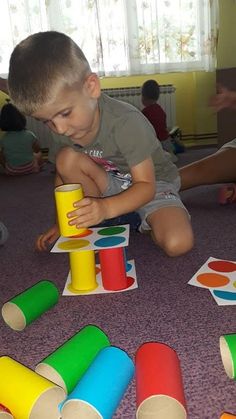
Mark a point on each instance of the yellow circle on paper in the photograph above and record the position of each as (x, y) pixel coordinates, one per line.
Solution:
(73, 244)
(74, 291)
(234, 284)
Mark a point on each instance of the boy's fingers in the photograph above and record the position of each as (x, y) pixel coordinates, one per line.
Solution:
(40, 244)
(83, 202)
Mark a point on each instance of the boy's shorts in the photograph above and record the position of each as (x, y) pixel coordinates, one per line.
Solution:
(166, 196)
(230, 144)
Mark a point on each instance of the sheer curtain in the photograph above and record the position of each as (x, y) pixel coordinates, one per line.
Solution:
(121, 37)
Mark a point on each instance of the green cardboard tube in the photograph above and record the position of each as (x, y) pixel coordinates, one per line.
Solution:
(30, 304)
(228, 354)
(69, 362)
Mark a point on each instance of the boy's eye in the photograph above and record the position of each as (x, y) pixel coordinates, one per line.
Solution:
(65, 114)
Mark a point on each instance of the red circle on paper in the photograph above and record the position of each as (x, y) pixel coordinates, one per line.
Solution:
(84, 234)
(222, 266)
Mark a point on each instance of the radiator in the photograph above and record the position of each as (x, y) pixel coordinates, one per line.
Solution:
(132, 95)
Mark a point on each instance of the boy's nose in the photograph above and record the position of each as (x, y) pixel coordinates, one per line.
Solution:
(60, 127)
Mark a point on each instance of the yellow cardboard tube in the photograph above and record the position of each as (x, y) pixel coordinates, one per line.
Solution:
(27, 394)
(65, 196)
(83, 271)
(227, 416)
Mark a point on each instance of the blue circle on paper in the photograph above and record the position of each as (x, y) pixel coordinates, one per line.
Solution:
(109, 241)
(225, 295)
(128, 266)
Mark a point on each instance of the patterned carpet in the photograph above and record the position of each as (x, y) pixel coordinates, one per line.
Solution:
(164, 308)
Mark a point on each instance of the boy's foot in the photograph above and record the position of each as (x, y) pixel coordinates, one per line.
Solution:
(227, 194)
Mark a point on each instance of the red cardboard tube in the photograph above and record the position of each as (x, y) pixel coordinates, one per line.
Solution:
(159, 386)
(113, 269)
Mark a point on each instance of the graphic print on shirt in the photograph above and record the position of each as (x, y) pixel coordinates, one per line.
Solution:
(109, 166)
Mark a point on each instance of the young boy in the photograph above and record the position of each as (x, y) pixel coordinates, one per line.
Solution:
(156, 115)
(152, 110)
(114, 154)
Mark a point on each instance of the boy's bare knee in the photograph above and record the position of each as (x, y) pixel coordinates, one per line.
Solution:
(66, 159)
(174, 245)
(177, 246)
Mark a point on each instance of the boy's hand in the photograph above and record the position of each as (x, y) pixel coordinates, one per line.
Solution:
(89, 211)
(47, 238)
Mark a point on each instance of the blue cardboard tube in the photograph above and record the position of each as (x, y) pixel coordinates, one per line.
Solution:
(102, 387)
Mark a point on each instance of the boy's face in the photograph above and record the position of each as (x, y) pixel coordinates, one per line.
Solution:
(74, 111)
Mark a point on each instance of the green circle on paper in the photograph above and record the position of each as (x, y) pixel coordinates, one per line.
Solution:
(111, 231)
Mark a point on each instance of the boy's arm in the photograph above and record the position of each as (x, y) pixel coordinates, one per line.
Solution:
(52, 234)
(91, 211)
(138, 194)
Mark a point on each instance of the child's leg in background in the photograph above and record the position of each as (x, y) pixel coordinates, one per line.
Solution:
(220, 167)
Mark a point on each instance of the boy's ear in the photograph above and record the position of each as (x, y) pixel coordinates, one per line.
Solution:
(93, 85)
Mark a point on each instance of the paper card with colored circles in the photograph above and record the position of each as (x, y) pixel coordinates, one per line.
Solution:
(94, 239)
(219, 276)
(131, 282)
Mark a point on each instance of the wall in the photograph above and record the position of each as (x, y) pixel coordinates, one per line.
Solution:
(226, 71)
(226, 52)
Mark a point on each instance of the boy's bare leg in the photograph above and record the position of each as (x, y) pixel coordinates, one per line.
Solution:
(76, 167)
(172, 230)
(220, 167)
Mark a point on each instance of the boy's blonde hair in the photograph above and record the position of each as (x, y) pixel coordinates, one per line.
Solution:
(42, 64)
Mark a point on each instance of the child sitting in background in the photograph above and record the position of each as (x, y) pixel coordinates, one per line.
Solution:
(157, 116)
(20, 151)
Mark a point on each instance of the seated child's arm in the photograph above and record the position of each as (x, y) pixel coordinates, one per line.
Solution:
(91, 211)
(225, 98)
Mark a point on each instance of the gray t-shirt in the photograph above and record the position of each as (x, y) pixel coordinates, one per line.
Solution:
(125, 139)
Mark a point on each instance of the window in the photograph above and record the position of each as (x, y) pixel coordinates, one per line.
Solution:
(121, 37)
